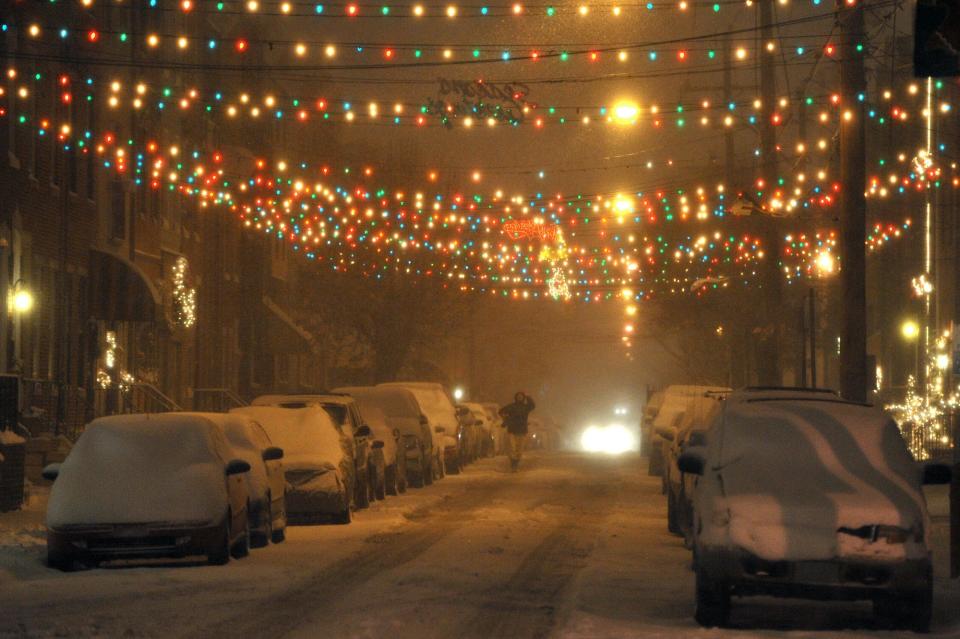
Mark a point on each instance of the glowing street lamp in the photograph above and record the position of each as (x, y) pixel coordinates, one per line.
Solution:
(910, 330)
(626, 113)
(20, 299)
(458, 393)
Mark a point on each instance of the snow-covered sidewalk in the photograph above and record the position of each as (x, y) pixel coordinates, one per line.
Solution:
(572, 546)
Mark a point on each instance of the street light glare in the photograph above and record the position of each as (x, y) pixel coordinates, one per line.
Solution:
(626, 112)
(21, 301)
(458, 393)
(826, 263)
(910, 330)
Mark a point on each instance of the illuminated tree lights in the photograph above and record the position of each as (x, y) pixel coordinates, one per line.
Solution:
(924, 415)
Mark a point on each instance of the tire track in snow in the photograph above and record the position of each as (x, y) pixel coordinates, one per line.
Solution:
(280, 614)
(532, 602)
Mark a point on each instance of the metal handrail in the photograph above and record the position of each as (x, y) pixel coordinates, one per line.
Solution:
(227, 397)
(155, 394)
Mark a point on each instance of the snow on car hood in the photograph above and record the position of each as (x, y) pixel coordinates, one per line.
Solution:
(131, 469)
(306, 435)
(792, 473)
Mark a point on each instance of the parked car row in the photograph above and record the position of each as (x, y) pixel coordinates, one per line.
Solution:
(216, 484)
(798, 493)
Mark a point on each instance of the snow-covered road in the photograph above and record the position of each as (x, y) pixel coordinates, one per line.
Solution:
(572, 546)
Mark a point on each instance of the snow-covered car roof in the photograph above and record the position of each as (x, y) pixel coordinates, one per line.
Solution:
(167, 467)
(794, 471)
(307, 436)
(393, 401)
(306, 398)
(767, 393)
(691, 390)
(433, 401)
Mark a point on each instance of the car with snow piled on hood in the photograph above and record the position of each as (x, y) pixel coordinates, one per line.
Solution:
(354, 436)
(147, 486)
(806, 495)
(318, 473)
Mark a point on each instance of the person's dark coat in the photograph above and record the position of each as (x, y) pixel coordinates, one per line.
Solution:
(516, 415)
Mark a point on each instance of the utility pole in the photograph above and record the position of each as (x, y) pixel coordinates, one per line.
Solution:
(768, 368)
(853, 342)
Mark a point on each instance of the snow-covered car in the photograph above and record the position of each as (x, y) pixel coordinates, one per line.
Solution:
(354, 435)
(389, 444)
(482, 422)
(402, 413)
(266, 485)
(650, 410)
(687, 429)
(676, 400)
(497, 432)
(318, 472)
(469, 435)
(141, 486)
(436, 404)
(807, 495)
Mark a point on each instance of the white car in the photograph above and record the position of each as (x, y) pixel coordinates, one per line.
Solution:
(402, 413)
(802, 494)
(390, 448)
(435, 403)
(266, 485)
(143, 486)
(318, 472)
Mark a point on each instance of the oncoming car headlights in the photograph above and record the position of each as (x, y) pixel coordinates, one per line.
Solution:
(612, 440)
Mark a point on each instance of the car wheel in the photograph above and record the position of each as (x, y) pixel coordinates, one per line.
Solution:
(363, 493)
(910, 611)
(242, 547)
(220, 553)
(455, 467)
(419, 479)
(390, 479)
(61, 562)
(280, 532)
(343, 517)
(673, 525)
(428, 471)
(713, 601)
(381, 486)
(260, 538)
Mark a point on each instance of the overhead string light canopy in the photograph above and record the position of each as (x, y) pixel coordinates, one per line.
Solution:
(171, 50)
(426, 10)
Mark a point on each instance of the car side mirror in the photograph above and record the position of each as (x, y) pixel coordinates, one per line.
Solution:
(691, 463)
(396, 433)
(440, 429)
(363, 431)
(237, 466)
(377, 444)
(423, 420)
(51, 472)
(666, 433)
(933, 474)
(272, 453)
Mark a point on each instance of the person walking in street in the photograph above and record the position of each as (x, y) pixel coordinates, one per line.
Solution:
(515, 418)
